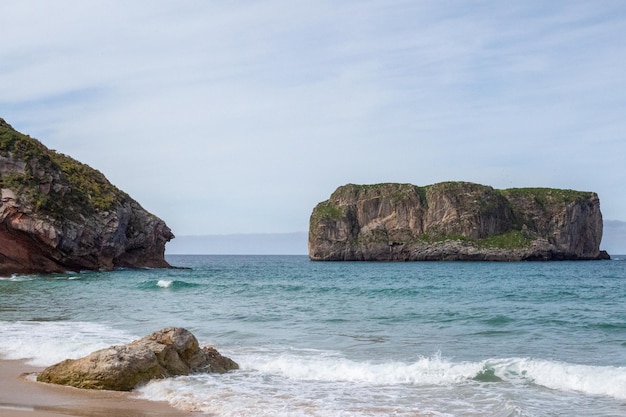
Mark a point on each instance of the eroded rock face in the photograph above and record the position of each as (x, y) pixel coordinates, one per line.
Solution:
(455, 221)
(59, 215)
(165, 353)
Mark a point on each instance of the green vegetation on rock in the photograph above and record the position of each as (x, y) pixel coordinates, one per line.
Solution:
(53, 183)
(394, 191)
(326, 210)
(514, 239)
(544, 196)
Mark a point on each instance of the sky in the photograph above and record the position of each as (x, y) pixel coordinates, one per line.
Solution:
(240, 116)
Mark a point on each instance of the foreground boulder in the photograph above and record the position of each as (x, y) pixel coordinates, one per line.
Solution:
(59, 215)
(455, 221)
(165, 353)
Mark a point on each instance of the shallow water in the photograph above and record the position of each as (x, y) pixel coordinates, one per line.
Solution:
(351, 339)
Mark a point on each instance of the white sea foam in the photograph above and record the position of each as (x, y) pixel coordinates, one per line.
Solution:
(45, 343)
(593, 380)
(18, 278)
(290, 382)
(273, 383)
(276, 381)
(425, 371)
(243, 394)
(164, 283)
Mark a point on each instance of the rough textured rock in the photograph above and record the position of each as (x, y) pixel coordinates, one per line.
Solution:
(165, 353)
(57, 215)
(455, 221)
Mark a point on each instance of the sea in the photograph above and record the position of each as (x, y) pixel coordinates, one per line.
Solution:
(350, 338)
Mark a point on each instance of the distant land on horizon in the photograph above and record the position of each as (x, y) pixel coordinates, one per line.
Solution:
(240, 244)
(614, 237)
(295, 243)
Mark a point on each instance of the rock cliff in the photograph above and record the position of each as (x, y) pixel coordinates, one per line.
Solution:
(57, 215)
(455, 221)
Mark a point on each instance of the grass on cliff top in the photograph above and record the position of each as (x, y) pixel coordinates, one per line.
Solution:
(84, 189)
(385, 187)
(398, 191)
(395, 191)
(456, 186)
(545, 196)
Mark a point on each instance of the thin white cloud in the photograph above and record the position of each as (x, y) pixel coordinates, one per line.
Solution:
(239, 117)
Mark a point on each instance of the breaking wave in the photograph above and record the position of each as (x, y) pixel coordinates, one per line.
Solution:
(435, 370)
(166, 283)
(45, 343)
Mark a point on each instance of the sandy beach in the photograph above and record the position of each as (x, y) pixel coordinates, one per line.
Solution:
(22, 396)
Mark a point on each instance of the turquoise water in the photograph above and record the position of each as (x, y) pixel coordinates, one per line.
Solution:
(351, 339)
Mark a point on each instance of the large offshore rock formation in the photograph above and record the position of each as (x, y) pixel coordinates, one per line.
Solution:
(57, 215)
(455, 221)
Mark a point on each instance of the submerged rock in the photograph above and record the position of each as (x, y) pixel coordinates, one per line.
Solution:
(58, 215)
(455, 221)
(168, 352)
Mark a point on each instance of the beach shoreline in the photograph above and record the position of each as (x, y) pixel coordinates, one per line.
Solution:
(22, 396)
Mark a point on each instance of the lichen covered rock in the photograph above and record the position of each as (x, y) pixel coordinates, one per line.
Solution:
(168, 352)
(455, 221)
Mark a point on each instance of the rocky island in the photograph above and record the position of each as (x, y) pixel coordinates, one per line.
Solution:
(59, 215)
(455, 221)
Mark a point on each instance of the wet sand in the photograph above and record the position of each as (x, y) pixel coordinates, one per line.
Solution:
(22, 396)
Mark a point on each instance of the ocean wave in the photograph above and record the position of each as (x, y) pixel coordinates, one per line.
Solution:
(66, 276)
(18, 278)
(166, 283)
(425, 371)
(592, 380)
(274, 384)
(46, 343)
(437, 371)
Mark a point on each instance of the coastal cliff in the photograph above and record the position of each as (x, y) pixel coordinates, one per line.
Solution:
(455, 221)
(58, 215)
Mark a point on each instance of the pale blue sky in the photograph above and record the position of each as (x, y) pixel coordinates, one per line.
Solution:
(239, 116)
